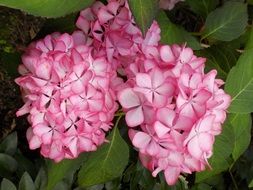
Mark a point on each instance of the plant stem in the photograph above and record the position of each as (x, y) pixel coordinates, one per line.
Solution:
(233, 180)
(117, 121)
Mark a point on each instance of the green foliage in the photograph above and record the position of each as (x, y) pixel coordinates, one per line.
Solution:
(9, 144)
(239, 83)
(171, 33)
(26, 182)
(107, 163)
(144, 12)
(241, 124)
(52, 8)
(202, 7)
(220, 57)
(7, 185)
(8, 165)
(57, 171)
(227, 22)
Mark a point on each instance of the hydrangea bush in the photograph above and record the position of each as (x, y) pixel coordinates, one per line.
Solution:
(125, 59)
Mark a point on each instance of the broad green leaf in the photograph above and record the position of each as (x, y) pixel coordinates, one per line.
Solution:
(9, 144)
(144, 12)
(219, 57)
(202, 7)
(107, 163)
(7, 164)
(227, 22)
(223, 147)
(7, 185)
(26, 182)
(239, 83)
(171, 33)
(241, 124)
(57, 171)
(41, 179)
(52, 8)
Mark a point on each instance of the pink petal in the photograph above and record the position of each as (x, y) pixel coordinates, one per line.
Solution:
(206, 141)
(143, 80)
(157, 78)
(152, 148)
(171, 175)
(128, 98)
(186, 55)
(194, 149)
(202, 96)
(206, 124)
(160, 129)
(43, 70)
(166, 116)
(159, 100)
(141, 140)
(135, 117)
(77, 87)
(166, 54)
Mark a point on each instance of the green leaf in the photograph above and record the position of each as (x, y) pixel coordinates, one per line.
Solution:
(52, 8)
(9, 144)
(202, 7)
(251, 184)
(57, 171)
(220, 57)
(41, 179)
(26, 182)
(7, 164)
(241, 124)
(7, 185)
(223, 147)
(171, 33)
(239, 83)
(107, 163)
(144, 12)
(227, 22)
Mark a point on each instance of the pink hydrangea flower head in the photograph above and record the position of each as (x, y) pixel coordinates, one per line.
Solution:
(174, 110)
(69, 95)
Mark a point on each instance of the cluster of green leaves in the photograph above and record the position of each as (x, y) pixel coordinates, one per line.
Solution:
(222, 33)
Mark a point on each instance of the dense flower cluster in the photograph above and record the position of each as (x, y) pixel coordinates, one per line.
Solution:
(69, 96)
(70, 86)
(111, 30)
(173, 109)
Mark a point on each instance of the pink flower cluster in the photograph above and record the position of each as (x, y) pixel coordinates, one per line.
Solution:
(70, 87)
(68, 92)
(173, 109)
